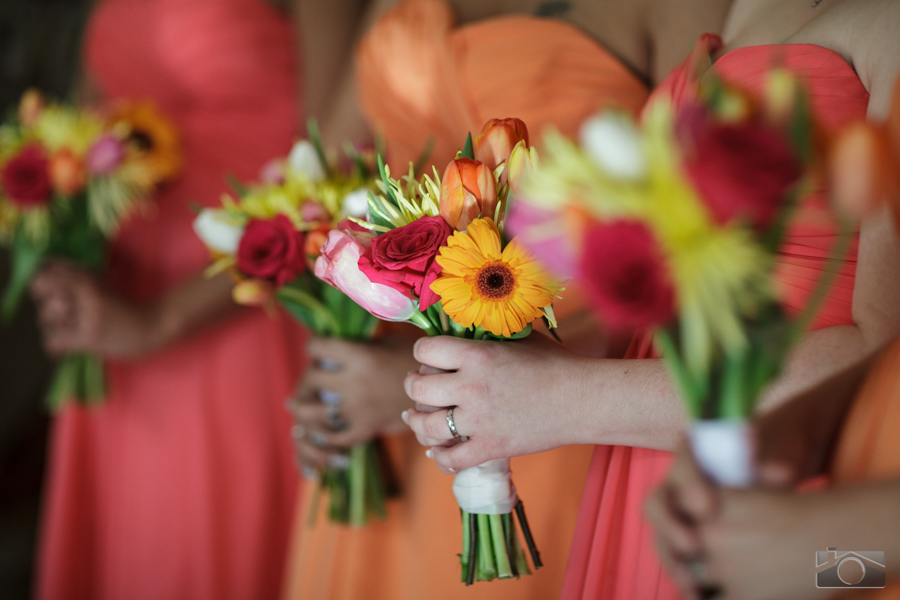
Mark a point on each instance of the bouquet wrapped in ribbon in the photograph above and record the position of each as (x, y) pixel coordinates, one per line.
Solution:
(434, 255)
(673, 227)
(268, 234)
(68, 178)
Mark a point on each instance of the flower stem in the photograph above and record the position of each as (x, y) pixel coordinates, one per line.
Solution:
(498, 540)
(529, 540)
(473, 547)
(419, 319)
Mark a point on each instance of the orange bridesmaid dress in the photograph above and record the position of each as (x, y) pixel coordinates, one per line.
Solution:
(182, 485)
(869, 447)
(613, 555)
(419, 76)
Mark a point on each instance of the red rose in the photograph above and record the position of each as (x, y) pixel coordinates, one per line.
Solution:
(403, 258)
(743, 171)
(25, 178)
(625, 276)
(271, 249)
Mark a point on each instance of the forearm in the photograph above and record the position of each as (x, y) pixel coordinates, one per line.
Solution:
(635, 403)
(190, 307)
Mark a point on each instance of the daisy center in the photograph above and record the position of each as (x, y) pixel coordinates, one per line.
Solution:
(142, 140)
(495, 281)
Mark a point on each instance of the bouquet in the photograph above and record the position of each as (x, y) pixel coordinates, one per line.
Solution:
(673, 226)
(68, 178)
(434, 255)
(267, 235)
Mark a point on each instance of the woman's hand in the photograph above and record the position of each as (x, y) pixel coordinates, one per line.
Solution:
(77, 314)
(360, 384)
(510, 398)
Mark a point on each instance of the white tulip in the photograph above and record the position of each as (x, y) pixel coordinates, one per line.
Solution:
(614, 143)
(303, 160)
(355, 204)
(219, 230)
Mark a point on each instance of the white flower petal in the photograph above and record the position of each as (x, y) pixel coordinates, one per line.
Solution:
(303, 160)
(218, 230)
(613, 141)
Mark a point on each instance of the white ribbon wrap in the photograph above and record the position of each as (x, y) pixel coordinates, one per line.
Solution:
(486, 489)
(725, 451)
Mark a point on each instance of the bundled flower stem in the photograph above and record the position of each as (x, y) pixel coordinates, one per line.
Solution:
(434, 255)
(268, 237)
(69, 178)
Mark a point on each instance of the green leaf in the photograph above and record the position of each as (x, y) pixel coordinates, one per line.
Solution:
(468, 150)
(307, 309)
(315, 138)
(25, 258)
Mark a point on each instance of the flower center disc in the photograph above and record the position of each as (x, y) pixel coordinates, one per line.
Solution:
(495, 281)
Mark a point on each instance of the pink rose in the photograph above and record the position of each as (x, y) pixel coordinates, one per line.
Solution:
(339, 266)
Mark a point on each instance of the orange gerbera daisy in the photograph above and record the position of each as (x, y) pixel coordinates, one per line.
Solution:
(152, 136)
(500, 291)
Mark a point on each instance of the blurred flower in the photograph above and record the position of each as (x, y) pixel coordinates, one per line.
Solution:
(152, 136)
(468, 191)
(743, 171)
(271, 249)
(783, 92)
(339, 266)
(864, 170)
(272, 172)
(355, 204)
(543, 233)
(304, 160)
(522, 162)
(313, 212)
(253, 292)
(30, 107)
(316, 239)
(497, 139)
(219, 230)
(613, 141)
(105, 155)
(25, 178)
(625, 276)
(67, 174)
(480, 285)
(404, 258)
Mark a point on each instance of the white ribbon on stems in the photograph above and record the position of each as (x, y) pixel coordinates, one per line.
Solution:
(725, 450)
(486, 489)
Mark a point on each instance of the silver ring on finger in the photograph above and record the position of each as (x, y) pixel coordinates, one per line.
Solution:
(330, 397)
(451, 424)
(336, 422)
(707, 589)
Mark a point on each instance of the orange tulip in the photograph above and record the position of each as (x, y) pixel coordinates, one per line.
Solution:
(468, 191)
(497, 139)
(522, 162)
(315, 239)
(67, 174)
(864, 169)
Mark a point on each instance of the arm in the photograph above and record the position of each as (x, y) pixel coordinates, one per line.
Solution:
(78, 314)
(328, 34)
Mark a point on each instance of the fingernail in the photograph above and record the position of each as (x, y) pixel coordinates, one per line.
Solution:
(309, 473)
(318, 439)
(339, 461)
(405, 416)
(451, 469)
(298, 431)
(429, 454)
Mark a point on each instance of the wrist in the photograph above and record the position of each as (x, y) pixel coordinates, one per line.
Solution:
(164, 326)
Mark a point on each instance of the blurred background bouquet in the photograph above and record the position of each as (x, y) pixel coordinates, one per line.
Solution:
(673, 225)
(434, 254)
(68, 178)
(267, 234)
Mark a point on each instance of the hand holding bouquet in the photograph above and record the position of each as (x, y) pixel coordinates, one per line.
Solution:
(434, 255)
(673, 227)
(268, 237)
(68, 178)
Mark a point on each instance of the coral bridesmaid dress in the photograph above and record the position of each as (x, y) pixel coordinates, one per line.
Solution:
(419, 76)
(182, 485)
(612, 554)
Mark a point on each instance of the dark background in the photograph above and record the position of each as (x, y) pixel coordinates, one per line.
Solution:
(40, 43)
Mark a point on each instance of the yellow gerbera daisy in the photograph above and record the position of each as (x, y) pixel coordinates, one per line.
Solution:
(500, 291)
(153, 137)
